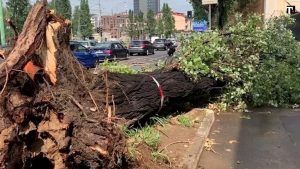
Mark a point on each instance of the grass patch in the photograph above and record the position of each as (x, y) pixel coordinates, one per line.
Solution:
(160, 120)
(116, 67)
(148, 135)
(160, 156)
(184, 121)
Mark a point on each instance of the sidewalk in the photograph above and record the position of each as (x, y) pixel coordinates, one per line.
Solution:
(264, 139)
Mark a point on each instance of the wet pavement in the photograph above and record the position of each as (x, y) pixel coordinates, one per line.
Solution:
(262, 139)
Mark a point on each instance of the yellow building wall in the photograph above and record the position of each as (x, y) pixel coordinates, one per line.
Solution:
(278, 7)
(181, 24)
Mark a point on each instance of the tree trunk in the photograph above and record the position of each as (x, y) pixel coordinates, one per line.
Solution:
(136, 96)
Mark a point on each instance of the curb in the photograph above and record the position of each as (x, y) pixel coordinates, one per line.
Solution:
(195, 150)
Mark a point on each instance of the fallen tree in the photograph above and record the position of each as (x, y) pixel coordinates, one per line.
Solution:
(56, 114)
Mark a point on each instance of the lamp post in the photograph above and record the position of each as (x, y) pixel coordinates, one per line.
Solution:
(2, 30)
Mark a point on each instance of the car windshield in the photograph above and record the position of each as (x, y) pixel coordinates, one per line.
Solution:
(103, 45)
(84, 43)
(136, 42)
(93, 43)
(159, 41)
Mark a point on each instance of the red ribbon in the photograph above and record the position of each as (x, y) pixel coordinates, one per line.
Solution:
(161, 93)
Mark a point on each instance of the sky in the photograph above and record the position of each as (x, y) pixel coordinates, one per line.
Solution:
(115, 6)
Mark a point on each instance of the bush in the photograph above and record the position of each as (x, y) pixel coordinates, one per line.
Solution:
(261, 63)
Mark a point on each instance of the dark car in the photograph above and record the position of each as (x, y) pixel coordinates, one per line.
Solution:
(111, 50)
(87, 57)
(141, 47)
(160, 44)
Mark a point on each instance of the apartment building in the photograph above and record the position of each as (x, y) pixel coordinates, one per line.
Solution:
(146, 5)
(114, 25)
(95, 21)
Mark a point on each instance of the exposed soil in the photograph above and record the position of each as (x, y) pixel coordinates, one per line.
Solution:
(174, 143)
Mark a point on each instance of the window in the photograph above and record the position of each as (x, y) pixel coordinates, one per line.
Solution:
(93, 43)
(119, 46)
(78, 48)
(115, 46)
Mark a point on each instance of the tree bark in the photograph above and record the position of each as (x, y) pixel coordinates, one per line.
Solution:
(135, 96)
(27, 43)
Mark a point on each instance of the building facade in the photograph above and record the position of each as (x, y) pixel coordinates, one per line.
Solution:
(278, 8)
(95, 21)
(182, 23)
(146, 5)
(114, 26)
(270, 8)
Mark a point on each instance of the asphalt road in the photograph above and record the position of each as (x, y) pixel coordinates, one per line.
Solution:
(138, 62)
(262, 139)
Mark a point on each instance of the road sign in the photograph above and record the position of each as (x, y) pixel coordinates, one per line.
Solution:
(200, 26)
(209, 2)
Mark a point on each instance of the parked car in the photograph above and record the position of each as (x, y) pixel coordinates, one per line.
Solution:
(87, 43)
(111, 50)
(141, 47)
(87, 57)
(160, 44)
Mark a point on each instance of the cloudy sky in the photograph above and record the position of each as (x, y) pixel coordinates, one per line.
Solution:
(109, 6)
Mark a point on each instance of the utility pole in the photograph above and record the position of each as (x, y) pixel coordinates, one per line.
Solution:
(2, 30)
(99, 22)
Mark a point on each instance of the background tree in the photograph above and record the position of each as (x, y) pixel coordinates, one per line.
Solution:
(168, 19)
(131, 28)
(222, 11)
(151, 23)
(140, 25)
(160, 26)
(62, 7)
(17, 11)
(75, 21)
(51, 4)
(200, 12)
(86, 27)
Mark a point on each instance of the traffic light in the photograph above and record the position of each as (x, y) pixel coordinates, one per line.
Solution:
(190, 14)
(99, 30)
